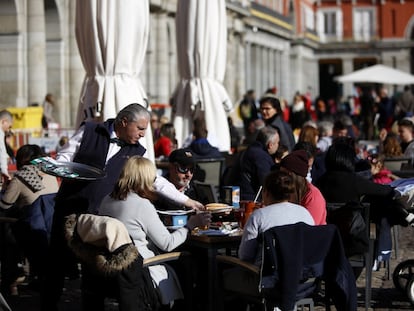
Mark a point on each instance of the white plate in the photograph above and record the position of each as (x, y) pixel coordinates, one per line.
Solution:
(175, 212)
(220, 210)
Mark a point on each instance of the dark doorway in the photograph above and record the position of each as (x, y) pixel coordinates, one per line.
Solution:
(328, 88)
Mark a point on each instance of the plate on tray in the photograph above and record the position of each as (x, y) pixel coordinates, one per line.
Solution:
(175, 212)
(70, 170)
(221, 210)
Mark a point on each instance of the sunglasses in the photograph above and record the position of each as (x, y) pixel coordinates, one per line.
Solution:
(184, 170)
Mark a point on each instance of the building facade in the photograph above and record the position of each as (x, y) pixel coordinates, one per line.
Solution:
(295, 45)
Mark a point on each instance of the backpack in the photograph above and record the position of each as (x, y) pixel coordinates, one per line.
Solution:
(352, 226)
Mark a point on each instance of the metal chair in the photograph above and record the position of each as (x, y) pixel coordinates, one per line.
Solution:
(343, 215)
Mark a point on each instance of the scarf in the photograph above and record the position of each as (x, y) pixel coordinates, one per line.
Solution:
(29, 175)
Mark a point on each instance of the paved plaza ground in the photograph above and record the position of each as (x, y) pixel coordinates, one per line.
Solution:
(384, 296)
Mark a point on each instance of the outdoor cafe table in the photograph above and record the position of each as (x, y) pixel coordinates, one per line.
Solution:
(211, 245)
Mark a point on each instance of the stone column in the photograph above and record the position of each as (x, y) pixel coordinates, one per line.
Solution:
(285, 69)
(265, 72)
(173, 74)
(241, 69)
(148, 74)
(257, 64)
(160, 87)
(229, 81)
(76, 73)
(348, 67)
(36, 46)
(248, 61)
(278, 71)
(272, 68)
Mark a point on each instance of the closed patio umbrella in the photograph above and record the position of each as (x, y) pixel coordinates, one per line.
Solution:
(112, 37)
(201, 47)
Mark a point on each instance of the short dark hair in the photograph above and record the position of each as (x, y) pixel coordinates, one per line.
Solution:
(406, 123)
(273, 100)
(339, 125)
(27, 153)
(200, 128)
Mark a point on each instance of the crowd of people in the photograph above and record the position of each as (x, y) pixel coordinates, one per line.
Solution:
(293, 158)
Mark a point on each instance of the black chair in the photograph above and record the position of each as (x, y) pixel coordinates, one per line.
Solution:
(32, 232)
(358, 235)
(290, 275)
(209, 171)
(398, 164)
(205, 192)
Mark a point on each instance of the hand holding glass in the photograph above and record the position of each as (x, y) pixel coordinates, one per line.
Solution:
(201, 219)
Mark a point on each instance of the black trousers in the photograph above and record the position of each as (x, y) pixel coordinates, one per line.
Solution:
(59, 256)
(10, 256)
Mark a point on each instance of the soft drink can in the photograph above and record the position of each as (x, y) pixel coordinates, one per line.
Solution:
(235, 196)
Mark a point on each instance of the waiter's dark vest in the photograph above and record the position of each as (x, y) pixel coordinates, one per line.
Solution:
(78, 196)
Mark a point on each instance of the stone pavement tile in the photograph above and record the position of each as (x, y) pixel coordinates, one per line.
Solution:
(385, 297)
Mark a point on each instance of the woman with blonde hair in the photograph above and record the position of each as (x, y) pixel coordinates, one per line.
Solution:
(131, 203)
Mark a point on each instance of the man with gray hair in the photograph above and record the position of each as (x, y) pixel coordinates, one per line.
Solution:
(256, 162)
(325, 135)
(6, 122)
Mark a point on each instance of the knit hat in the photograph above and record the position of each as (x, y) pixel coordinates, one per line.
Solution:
(182, 156)
(296, 162)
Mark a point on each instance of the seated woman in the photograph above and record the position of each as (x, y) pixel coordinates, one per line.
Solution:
(27, 184)
(167, 142)
(131, 203)
(340, 184)
(280, 208)
(298, 164)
